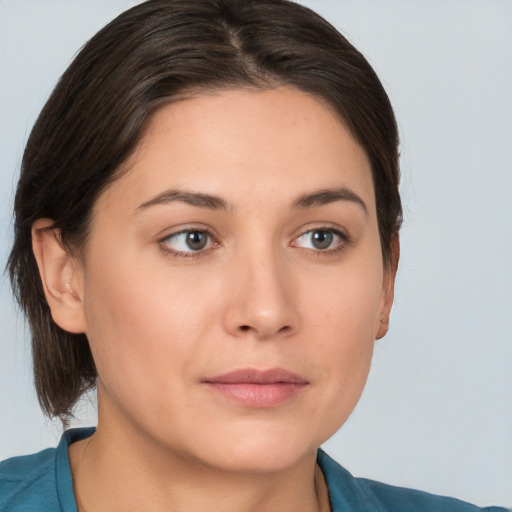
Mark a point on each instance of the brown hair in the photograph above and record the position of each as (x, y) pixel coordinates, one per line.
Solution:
(147, 57)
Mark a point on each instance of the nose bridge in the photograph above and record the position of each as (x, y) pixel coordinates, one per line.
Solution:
(262, 299)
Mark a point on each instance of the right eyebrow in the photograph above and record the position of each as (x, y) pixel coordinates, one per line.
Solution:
(192, 198)
(330, 195)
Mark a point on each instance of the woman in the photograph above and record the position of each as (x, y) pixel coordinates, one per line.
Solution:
(207, 230)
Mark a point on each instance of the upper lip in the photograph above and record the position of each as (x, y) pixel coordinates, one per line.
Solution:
(255, 376)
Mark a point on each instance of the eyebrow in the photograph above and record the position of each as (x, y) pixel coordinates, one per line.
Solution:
(318, 198)
(192, 198)
(327, 196)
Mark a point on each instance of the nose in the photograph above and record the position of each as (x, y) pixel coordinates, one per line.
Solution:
(260, 298)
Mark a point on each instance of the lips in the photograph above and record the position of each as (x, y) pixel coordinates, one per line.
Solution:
(258, 388)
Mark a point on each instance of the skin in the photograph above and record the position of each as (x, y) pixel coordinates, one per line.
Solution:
(259, 295)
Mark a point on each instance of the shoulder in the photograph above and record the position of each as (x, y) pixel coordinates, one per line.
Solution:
(357, 494)
(41, 482)
(28, 482)
(401, 499)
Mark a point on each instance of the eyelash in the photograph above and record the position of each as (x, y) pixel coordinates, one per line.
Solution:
(344, 240)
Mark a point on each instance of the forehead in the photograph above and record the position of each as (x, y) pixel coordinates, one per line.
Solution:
(278, 142)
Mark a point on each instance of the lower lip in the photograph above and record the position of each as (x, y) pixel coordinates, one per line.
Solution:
(258, 395)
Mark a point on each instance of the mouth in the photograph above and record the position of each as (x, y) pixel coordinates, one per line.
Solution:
(258, 388)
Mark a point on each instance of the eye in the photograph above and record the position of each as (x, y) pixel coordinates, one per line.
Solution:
(325, 239)
(188, 241)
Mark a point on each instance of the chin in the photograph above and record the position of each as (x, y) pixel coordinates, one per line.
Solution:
(262, 458)
(264, 449)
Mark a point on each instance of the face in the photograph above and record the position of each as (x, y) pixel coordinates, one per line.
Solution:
(233, 284)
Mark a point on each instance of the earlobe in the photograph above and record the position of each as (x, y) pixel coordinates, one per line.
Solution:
(61, 277)
(388, 289)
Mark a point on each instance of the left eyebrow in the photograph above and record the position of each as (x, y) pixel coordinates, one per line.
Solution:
(327, 196)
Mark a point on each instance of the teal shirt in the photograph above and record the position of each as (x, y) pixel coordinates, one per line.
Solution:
(42, 483)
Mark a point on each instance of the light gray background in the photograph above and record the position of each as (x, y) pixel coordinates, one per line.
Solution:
(437, 411)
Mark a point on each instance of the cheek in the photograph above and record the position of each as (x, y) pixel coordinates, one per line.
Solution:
(347, 301)
(343, 324)
(343, 318)
(343, 361)
(139, 320)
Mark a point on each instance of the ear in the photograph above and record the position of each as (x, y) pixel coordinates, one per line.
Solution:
(61, 275)
(388, 289)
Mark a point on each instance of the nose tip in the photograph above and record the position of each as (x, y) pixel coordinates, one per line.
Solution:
(261, 304)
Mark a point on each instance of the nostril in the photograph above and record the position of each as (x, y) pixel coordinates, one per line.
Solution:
(246, 328)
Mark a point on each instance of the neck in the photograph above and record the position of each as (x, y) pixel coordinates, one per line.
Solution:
(121, 469)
